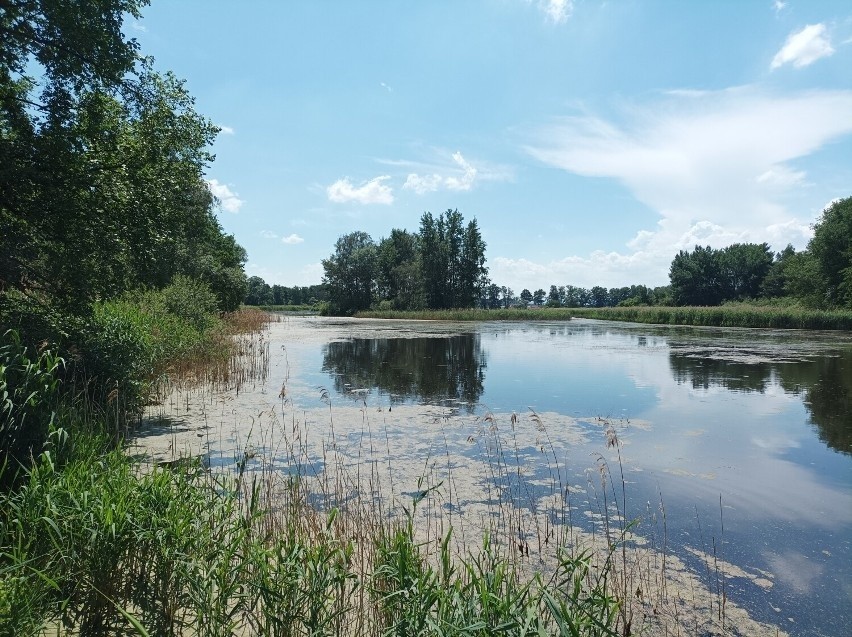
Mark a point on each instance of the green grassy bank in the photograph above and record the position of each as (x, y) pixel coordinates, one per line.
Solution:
(731, 315)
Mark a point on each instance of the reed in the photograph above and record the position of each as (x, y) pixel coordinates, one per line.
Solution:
(731, 315)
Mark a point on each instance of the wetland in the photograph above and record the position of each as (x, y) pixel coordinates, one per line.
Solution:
(732, 457)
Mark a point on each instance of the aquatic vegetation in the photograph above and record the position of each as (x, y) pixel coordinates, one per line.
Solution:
(729, 315)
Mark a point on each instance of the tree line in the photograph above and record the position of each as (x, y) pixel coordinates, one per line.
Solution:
(261, 293)
(819, 276)
(442, 266)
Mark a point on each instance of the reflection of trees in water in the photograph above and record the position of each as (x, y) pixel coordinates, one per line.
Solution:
(825, 383)
(704, 373)
(431, 369)
(827, 387)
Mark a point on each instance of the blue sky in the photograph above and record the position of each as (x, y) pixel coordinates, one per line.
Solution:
(591, 139)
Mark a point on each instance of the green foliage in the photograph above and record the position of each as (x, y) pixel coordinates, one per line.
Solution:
(103, 163)
(350, 273)
(696, 277)
(831, 250)
(452, 260)
(29, 398)
(483, 593)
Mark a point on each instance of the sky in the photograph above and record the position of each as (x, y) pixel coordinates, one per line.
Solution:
(591, 140)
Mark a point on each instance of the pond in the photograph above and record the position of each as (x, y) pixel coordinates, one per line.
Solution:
(735, 445)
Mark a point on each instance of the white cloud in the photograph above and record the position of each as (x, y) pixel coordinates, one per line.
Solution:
(714, 167)
(609, 269)
(461, 175)
(466, 179)
(228, 199)
(557, 11)
(778, 5)
(386, 87)
(372, 191)
(422, 184)
(804, 47)
(226, 130)
(782, 176)
(268, 234)
(293, 239)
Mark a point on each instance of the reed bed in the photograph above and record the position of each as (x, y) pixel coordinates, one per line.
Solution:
(732, 315)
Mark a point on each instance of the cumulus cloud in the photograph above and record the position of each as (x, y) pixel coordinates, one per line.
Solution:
(268, 234)
(557, 11)
(804, 47)
(467, 177)
(422, 184)
(715, 167)
(374, 191)
(610, 269)
(293, 239)
(461, 175)
(226, 130)
(778, 5)
(228, 199)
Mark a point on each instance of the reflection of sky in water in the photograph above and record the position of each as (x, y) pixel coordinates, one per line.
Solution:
(721, 424)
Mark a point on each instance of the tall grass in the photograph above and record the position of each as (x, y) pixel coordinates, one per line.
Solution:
(730, 315)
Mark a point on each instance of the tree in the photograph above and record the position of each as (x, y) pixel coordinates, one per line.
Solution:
(103, 163)
(538, 297)
(775, 282)
(259, 292)
(350, 273)
(696, 277)
(744, 267)
(399, 273)
(526, 296)
(553, 299)
(452, 261)
(831, 249)
(598, 296)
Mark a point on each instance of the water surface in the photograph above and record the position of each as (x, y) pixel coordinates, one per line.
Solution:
(735, 443)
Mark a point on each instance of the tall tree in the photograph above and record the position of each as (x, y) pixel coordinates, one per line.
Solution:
(831, 248)
(399, 272)
(350, 273)
(696, 277)
(744, 267)
(452, 259)
(101, 185)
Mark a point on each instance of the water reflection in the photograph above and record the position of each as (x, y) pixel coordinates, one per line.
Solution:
(438, 370)
(825, 382)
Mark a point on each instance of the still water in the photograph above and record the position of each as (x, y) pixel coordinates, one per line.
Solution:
(743, 438)
(746, 429)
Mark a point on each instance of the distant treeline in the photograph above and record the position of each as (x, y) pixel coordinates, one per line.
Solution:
(261, 293)
(442, 267)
